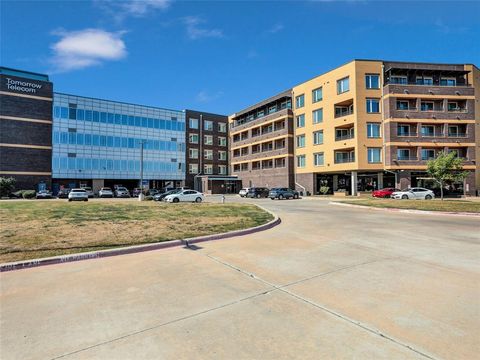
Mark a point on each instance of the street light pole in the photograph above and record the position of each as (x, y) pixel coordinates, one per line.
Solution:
(141, 196)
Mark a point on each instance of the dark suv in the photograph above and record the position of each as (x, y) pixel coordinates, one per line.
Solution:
(257, 192)
(283, 193)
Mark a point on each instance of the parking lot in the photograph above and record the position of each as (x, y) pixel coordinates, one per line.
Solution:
(328, 282)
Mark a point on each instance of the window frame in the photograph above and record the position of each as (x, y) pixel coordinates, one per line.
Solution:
(340, 87)
(315, 92)
(368, 81)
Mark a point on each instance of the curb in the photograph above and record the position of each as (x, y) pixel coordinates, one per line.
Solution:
(26, 264)
(408, 211)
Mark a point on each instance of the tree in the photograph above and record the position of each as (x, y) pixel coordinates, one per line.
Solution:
(6, 185)
(446, 167)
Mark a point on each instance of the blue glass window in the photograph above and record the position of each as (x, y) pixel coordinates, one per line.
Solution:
(56, 137)
(156, 123)
(124, 165)
(131, 143)
(96, 116)
(80, 114)
(56, 163)
(88, 115)
(64, 138)
(162, 124)
(144, 122)
(88, 139)
(94, 164)
(71, 163)
(118, 142)
(116, 165)
(169, 125)
(150, 123)
(80, 139)
(131, 166)
(88, 164)
(56, 111)
(110, 141)
(103, 117)
(109, 164)
(110, 118)
(118, 119)
(103, 164)
(72, 138)
(72, 114)
(96, 140)
(373, 106)
(138, 121)
(124, 120)
(64, 113)
(63, 163)
(103, 140)
(137, 165)
(80, 163)
(156, 144)
(131, 120)
(124, 142)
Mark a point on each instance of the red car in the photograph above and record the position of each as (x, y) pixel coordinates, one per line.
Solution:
(384, 193)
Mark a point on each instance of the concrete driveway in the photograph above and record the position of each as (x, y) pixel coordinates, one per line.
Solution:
(330, 282)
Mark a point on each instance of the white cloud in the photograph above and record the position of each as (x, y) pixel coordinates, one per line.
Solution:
(118, 10)
(84, 48)
(204, 96)
(195, 31)
(275, 28)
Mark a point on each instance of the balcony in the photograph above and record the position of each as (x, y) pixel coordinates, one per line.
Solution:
(407, 158)
(407, 134)
(342, 157)
(344, 108)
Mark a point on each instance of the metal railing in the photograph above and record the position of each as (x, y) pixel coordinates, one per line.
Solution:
(407, 158)
(407, 134)
(344, 137)
(343, 113)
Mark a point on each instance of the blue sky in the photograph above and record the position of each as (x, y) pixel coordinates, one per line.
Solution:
(223, 56)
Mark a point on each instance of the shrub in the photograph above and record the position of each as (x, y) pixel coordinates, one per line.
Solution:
(29, 194)
(324, 190)
(6, 185)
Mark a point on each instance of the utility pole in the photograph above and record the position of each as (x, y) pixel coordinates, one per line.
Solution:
(141, 196)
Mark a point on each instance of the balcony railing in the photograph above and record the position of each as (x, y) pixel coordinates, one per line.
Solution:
(407, 134)
(407, 158)
(343, 160)
(410, 108)
(340, 113)
(458, 135)
(423, 84)
(459, 110)
(344, 137)
(435, 134)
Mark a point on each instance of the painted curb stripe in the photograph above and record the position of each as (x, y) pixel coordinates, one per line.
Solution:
(408, 211)
(26, 264)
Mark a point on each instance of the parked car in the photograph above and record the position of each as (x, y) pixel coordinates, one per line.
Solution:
(63, 193)
(137, 191)
(283, 193)
(185, 195)
(44, 194)
(153, 192)
(121, 192)
(243, 192)
(105, 192)
(89, 191)
(161, 196)
(77, 195)
(414, 193)
(384, 193)
(258, 192)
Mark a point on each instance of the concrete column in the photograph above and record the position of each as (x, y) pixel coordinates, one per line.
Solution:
(354, 183)
(335, 182)
(380, 180)
(97, 184)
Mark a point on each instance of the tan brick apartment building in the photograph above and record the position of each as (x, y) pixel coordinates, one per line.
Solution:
(365, 125)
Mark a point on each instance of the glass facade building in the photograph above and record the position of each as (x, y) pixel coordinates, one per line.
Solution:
(101, 139)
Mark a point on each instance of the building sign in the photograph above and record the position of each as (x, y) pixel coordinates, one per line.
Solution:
(23, 86)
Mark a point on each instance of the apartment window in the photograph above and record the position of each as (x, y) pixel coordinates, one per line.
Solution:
(402, 80)
(318, 159)
(193, 153)
(344, 157)
(193, 138)
(301, 121)
(424, 80)
(222, 127)
(193, 168)
(317, 116)
(374, 155)
(222, 155)
(222, 169)
(343, 85)
(403, 130)
(403, 154)
(373, 130)
(193, 123)
(301, 161)
(208, 139)
(373, 106)
(372, 81)
(448, 82)
(222, 141)
(318, 137)
(300, 101)
(301, 141)
(272, 109)
(428, 154)
(260, 113)
(208, 169)
(317, 95)
(426, 106)
(208, 154)
(428, 130)
(402, 105)
(208, 125)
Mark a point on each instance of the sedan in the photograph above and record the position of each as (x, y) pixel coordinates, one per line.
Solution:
(185, 195)
(282, 193)
(415, 193)
(162, 196)
(243, 192)
(105, 192)
(122, 192)
(77, 195)
(44, 194)
(384, 193)
(89, 191)
(63, 193)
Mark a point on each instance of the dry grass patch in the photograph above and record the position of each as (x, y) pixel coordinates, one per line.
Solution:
(33, 229)
(426, 205)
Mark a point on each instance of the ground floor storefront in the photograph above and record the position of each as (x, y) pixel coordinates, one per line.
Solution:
(212, 184)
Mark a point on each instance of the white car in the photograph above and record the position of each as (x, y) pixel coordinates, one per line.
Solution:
(89, 191)
(415, 193)
(185, 195)
(243, 192)
(77, 195)
(105, 192)
(122, 192)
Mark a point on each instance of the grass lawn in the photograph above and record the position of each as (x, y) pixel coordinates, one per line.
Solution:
(33, 229)
(429, 205)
